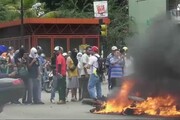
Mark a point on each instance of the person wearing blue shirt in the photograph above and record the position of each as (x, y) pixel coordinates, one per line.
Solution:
(117, 69)
(114, 48)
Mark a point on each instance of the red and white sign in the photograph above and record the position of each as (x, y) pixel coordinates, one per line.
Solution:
(100, 9)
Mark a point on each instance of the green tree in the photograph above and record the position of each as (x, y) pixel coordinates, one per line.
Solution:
(118, 29)
(28, 3)
(52, 4)
(3, 12)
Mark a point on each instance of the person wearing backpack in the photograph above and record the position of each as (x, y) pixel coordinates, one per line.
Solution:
(94, 83)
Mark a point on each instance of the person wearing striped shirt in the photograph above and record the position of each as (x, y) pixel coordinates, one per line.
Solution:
(117, 69)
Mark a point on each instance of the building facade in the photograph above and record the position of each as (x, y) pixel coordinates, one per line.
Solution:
(49, 32)
(143, 11)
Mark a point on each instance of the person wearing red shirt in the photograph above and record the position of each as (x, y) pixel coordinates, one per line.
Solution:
(61, 75)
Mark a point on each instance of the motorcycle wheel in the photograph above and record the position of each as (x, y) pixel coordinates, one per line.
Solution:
(47, 87)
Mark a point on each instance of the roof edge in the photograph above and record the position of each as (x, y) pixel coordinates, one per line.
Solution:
(54, 21)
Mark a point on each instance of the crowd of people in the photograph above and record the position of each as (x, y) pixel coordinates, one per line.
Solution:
(73, 71)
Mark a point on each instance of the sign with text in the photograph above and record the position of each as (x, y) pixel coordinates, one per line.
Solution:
(100, 9)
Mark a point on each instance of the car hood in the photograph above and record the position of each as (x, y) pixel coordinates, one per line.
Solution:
(6, 82)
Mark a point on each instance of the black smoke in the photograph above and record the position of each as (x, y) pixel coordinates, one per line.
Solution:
(157, 58)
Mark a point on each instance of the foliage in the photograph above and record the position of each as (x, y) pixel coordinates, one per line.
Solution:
(5, 2)
(52, 4)
(13, 15)
(28, 3)
(3, 12)
(118, 30)
(52, 14)
(30, 13)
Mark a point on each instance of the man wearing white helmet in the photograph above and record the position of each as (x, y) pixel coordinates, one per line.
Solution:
(61, 74)
(113, 49)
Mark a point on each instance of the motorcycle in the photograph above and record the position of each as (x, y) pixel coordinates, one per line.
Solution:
(48, 83)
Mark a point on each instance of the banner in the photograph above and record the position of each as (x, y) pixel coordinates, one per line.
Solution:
(100, 9)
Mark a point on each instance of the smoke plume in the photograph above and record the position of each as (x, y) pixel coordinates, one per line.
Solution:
(157, 58)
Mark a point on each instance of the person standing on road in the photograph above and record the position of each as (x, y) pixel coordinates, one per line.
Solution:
(94, 84)
(61, 75)
(113, 49)
(73, 82)
(129, 64)
(117, 69)
(34, 75)
(53, 68)
(84, 74)
(79, 67)
(20, 63)
(41, 62)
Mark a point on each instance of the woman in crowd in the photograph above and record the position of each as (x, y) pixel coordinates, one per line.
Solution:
(73, 82)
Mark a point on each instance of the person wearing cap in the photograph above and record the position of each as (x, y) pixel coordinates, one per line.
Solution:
(113, 49)
(61, 74)
(94, 83)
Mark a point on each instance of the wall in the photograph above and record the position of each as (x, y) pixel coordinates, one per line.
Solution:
(143, 11)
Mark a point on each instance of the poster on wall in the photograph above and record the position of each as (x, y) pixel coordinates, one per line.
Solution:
(100, 9)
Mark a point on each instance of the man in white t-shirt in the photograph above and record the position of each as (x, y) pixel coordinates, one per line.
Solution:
(94, 84)
(84, 74)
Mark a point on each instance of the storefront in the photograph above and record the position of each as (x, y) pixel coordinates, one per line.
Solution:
(50, 32)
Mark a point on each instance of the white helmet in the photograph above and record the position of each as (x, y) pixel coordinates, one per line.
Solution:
(43, 55)
(64, 54)
(125, 48)
(57, 48)
(114, 48)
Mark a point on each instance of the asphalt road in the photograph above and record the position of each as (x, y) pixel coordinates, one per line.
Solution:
(70, 110)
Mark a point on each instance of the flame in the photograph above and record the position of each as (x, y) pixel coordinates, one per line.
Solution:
(117, 104)
(163, 106)
(160, 106)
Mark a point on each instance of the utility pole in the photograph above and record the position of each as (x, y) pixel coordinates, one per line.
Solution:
(22, 22)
